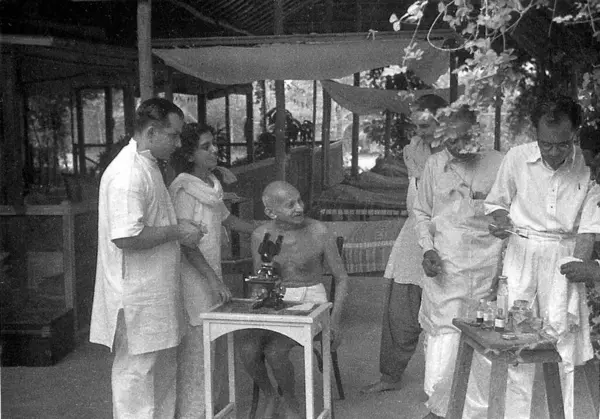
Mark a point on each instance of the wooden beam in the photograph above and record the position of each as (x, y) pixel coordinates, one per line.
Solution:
(325, 137)
(311, 163)
(204, 18)
(453, 78)
(202, 109)
(436, 35)
(80, 132)
(144, 33)
(498, 119)
(355, 134)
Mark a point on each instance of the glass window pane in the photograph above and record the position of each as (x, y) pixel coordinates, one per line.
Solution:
(118, 115)
(189, 106)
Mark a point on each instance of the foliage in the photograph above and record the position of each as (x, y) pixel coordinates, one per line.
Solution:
(496, 67)
(296, 133)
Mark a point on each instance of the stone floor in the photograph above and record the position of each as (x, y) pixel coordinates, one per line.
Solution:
(79, 386)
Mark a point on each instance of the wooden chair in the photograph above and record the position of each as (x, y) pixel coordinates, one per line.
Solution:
(318, 354)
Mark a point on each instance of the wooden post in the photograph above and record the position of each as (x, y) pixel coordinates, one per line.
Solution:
(263, 106)
(280, 140)
(144, 33)
(108, 116)
(80, 132)
(202, 109)
(388, 133)
(249, 125)
(11, 146)
(355, 134)
(311, 163)
(326, 123)
(498, 119)
(228, 128)
(129, 110)
(453, 78)
(169, 84)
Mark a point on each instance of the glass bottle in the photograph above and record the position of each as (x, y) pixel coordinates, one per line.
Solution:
(500, 321)
(489, 315)
(480, 310)
(502, 295)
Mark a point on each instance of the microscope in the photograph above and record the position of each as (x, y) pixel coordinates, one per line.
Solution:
(270, 291)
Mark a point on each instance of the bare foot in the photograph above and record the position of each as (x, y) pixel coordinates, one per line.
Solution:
(380, 386)
(271, 406)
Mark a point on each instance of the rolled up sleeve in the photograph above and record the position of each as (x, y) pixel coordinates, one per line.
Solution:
(504, 189)
(126, 199)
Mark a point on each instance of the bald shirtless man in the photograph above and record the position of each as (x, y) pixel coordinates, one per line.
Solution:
(306, 249)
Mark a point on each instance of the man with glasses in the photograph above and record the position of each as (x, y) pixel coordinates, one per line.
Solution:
(539, 194)
(137, 310)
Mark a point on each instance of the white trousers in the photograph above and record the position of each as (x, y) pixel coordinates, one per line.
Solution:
(440, 359)
(191, 403)
(143, 385)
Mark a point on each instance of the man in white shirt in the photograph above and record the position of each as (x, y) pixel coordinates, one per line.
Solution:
(137, 310)
(460, 258)
(539, 194)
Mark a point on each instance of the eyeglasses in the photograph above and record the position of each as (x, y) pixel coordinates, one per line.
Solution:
(546, 146)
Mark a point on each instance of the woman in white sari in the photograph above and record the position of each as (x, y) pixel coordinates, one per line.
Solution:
(197, 195)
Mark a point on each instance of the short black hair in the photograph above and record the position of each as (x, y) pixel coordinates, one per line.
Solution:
(430, 102)
(555, 109)
(190, 137)
(464, 113)
(155, 111)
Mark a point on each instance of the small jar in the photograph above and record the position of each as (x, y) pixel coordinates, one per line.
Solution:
(519, 316)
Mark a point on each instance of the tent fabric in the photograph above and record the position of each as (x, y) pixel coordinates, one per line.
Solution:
(368, 101)
(306, 61)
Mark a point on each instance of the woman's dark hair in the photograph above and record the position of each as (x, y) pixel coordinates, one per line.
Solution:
(190, 137)
(155, 111)
(555, 109)
(430, 102)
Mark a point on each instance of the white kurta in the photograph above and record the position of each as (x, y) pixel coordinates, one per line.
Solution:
(144, 283)
(451, 222)
(545, 204)
(404, 263)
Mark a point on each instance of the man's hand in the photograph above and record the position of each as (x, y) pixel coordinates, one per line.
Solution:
(336, 334)
(501, 224)
(190, 233)
(220, 289)
(432, 263)
(588, 271)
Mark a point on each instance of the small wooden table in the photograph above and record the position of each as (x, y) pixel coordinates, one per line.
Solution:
(503, 353)
(301, 326)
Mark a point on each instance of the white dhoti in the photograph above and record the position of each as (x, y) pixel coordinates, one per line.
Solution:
(532, 266)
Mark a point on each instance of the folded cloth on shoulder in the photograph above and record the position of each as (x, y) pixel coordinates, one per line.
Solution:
(567, 319)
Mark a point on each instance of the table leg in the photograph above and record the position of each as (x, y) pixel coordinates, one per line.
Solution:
(458, 393)
(556, 408)
(326, 348)
(497, 397)
(586, 384)
(231, 369)
(309, 380)
(208, 391)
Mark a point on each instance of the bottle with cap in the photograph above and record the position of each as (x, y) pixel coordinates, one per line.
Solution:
(480, 310)
(489, 315)
(500, 320)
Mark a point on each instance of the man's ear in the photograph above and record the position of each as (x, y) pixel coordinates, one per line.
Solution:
(150, 132)
(269, 213)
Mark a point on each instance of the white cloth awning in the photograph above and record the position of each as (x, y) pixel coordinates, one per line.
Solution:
(302, 61)
(367, 101)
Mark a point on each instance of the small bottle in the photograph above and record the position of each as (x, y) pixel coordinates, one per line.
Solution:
(489, 315)
(480, 310)
(500, 321)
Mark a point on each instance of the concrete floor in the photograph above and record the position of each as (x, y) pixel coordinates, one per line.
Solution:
(79, 386)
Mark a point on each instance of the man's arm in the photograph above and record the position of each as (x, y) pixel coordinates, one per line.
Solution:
(423, 211)
(336, 265)
(237, 224)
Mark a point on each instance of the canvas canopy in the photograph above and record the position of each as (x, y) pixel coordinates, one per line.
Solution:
(303, 61)
(367, 101)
